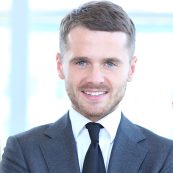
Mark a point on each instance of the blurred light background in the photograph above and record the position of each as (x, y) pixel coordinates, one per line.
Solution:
(31, 93)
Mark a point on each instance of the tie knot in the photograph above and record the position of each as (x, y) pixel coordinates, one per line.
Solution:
(94, 129)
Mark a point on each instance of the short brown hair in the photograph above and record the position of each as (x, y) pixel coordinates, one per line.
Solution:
(99, 16)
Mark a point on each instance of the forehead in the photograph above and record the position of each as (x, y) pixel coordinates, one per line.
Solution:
(81, 39)
(81, 33)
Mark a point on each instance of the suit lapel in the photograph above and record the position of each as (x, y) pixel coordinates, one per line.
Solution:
(60, 153)
(59, 149)
(129, 149)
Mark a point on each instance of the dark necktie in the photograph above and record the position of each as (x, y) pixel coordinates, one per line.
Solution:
(93, 162)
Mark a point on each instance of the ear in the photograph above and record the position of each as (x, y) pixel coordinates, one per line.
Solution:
(60, 66)
(132, 68)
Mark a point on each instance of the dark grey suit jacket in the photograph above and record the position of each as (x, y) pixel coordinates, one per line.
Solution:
(51, 149)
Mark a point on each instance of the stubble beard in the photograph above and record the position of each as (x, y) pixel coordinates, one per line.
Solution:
(93, 112)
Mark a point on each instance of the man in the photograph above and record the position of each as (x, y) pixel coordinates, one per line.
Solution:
(96, 60)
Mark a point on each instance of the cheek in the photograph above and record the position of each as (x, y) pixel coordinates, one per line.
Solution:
(72, 80)
(75, 76)
(118, 76)
(125, 73)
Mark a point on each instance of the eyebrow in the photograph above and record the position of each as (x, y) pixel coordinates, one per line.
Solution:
(79, 58)
(113, 59)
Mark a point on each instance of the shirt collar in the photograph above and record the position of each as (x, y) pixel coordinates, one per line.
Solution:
(78, 122)
(109, 122)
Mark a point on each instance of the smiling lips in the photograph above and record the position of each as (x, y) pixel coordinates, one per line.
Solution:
(95, 96)
(94, 93)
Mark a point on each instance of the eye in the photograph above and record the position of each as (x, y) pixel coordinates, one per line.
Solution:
(81, 63)
(111, 64)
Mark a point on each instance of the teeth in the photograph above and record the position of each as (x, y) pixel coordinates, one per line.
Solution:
(95, 93)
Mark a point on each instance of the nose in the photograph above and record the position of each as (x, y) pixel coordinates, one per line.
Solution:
(95, 75)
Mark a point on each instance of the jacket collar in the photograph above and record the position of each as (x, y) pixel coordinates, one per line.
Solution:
(129, 149)
(59, 150)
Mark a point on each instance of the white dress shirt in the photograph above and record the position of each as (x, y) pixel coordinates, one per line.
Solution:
(106, 135)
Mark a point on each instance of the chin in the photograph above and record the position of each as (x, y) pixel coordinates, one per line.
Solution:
(95, 114)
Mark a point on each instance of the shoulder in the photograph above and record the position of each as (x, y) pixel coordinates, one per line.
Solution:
(136, 130)
(39, 134)
(155, 139)
(160, 151)
(22, 149)
(140, 134)
(32, 134)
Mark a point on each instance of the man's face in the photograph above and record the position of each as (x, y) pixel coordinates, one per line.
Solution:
(96, 68)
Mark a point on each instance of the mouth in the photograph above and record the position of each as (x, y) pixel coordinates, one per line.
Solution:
(95, 96)
(95, 93)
